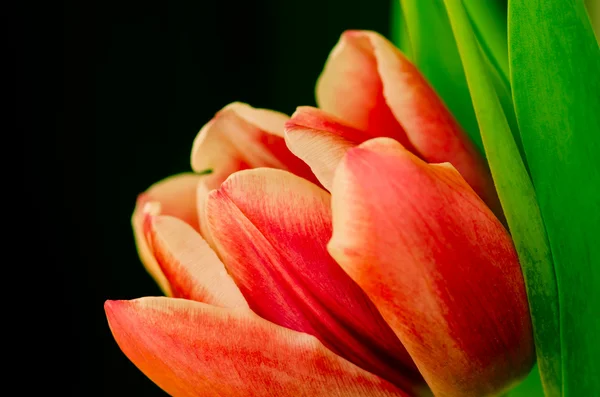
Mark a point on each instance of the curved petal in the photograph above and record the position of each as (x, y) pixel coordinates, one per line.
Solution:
(437, 263)
(350, 88)
(194, 349)
(366, 73)
(204, 188)
(241, 137)
(271, 229)
(320, 140)
(191, 267)
(174, 196)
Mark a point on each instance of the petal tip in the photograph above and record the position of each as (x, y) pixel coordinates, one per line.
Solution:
(108, 305)
(215, 195)
(353, 33)
(142, 199)
(303, 117)
(234, 107)
(112, 308)
(357, 38)
(145, 206)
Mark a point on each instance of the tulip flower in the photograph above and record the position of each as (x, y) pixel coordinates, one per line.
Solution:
(355, 249)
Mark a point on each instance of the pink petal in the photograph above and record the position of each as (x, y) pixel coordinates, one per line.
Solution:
(320, 140)
(241, 137)
(271, 229)
(194, 349)
(191, 267)
(437, 263)
(366, 74)
(174, 196)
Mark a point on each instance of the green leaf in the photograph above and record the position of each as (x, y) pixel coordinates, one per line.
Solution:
(399, 31)
(503, 91)
(555, 72)
(593, 7)
(518, 200)
(489, 22)
(490, 26)
(530, 387)
(435, 54)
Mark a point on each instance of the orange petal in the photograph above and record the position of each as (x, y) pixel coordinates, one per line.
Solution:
(271, 229)
(437, 263)
(366, 74)
(241, 137)
(320, 140)
(174, 196)
(194, 349)
(350, 88)
(204, 188)
(191, 267)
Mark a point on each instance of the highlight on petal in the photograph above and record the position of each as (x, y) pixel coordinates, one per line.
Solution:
(194, 349)
(437, 263)
(320, 140)
(189, 264)
(365, 73)
(271, 229)
(174, 196)
(241, 137)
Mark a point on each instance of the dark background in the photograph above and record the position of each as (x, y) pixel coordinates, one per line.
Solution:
(108, 98)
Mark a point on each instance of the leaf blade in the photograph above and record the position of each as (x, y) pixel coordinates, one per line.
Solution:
(489, 20)
(558, 111)
(399, 31)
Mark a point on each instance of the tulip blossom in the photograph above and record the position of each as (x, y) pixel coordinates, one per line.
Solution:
(355, 249)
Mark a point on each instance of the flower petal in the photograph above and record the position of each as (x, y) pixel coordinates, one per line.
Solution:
(271, 229)
(194, 349)
(241, 137)
(437, 263)
(351, 89)
(191, 267)
(204, 188)
(174, 196)
(366, 73)
(320, 140)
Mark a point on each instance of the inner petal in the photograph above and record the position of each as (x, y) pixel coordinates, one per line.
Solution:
(271, 229)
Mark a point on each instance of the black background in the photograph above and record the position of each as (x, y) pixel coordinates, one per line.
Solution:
(108, 96)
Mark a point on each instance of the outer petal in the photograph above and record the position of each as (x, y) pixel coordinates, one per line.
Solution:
(320, 140)
(190, 265)
(241, 137)
(193, 349)
(437, 263)
(271, 229)
(364, 68)
(175, 196)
